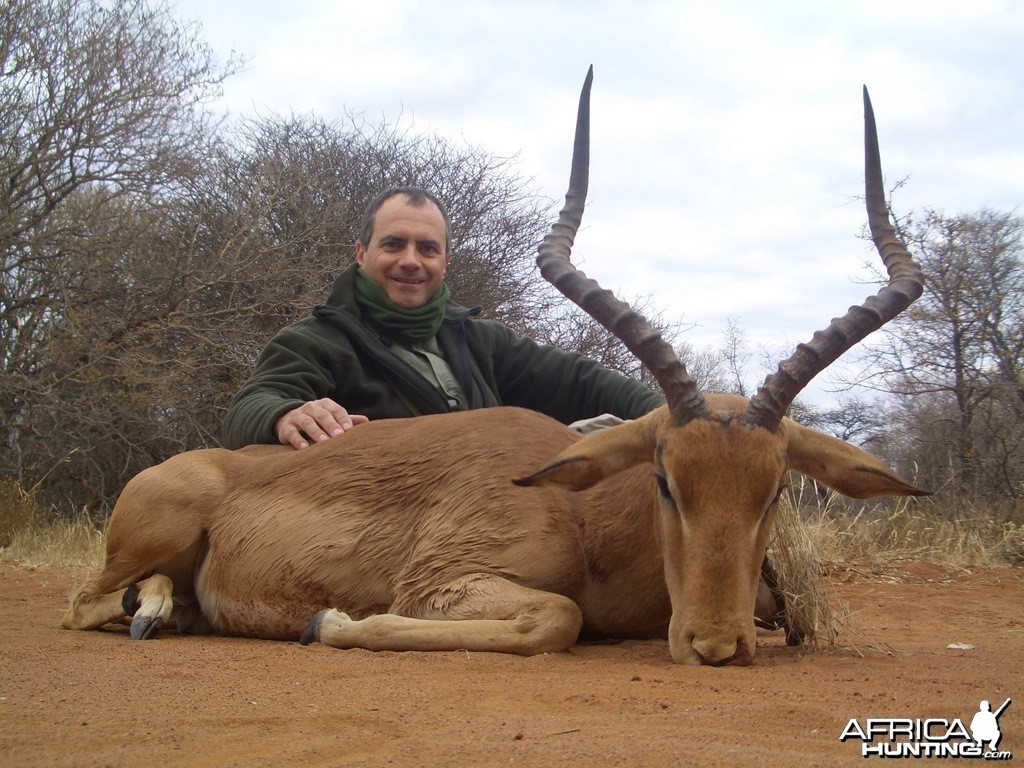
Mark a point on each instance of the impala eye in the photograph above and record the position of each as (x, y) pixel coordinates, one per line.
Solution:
(663, 487)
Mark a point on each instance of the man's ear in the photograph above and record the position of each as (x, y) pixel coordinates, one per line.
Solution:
(360, 253)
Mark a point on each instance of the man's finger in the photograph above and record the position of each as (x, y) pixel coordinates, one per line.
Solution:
(317, 422)
(319, 426)
(291, 436)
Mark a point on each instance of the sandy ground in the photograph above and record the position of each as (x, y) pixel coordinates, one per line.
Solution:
(98, 699)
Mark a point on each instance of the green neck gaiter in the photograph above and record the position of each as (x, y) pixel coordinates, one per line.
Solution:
(419, 323)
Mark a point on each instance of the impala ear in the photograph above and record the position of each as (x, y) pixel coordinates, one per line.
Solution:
(601, 454)
(574, 473)
(843, 467)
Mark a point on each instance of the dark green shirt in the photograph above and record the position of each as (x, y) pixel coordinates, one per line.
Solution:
(339, 354)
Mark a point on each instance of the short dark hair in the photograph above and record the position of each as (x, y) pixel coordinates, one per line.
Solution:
(417, 197)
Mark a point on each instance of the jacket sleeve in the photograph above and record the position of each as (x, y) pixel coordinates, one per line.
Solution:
(565, 385)
(288, 373)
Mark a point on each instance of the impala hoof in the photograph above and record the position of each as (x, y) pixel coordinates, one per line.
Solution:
(312, 633)
(144, 627)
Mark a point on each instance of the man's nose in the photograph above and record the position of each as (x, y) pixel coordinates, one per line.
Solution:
(408, 257)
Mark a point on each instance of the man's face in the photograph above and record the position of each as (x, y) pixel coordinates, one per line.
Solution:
(407, 254)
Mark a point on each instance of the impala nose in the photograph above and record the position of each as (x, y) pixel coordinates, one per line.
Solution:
(715, 652)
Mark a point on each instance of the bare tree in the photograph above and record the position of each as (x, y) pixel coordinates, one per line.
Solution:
(97, 107)
(736, 356)
(955, 360)
(852, 419)
(94, 94)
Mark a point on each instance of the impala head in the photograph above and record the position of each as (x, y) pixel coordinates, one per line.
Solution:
(720, 461)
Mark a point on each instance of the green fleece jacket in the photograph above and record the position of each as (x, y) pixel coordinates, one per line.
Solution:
(338, 353)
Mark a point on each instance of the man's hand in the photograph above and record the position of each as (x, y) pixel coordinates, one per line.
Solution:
(315, 422)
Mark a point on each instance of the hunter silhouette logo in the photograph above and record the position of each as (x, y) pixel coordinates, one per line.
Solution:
(985, 725)
(930, 737)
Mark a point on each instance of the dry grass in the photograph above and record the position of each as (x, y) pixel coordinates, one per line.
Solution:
(40, 537)
(810, 602)
(940, 531)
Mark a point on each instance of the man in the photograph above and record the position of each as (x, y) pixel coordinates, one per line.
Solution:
(388, 344)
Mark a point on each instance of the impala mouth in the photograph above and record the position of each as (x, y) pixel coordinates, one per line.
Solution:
(710, 652)
(742, 658)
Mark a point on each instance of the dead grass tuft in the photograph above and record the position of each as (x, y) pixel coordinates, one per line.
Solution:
(40, 537)
(811, 603)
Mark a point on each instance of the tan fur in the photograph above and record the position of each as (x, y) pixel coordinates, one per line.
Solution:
(414, 535)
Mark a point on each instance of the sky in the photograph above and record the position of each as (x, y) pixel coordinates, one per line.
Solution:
(726, 137)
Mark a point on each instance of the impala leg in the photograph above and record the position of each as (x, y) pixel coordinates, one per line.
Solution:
(91, 609)
(154, 540)
(99, 603)
(124, 591)
(480, 612)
